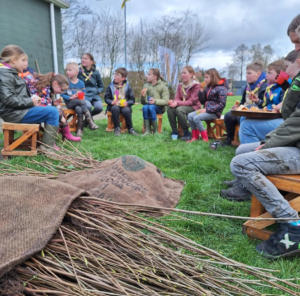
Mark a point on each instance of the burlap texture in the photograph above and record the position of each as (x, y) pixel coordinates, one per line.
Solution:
(128, 179)
(31, 210)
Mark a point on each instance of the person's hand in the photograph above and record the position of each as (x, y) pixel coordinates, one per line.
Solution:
(253, 98)
(125, 104)
(144, 91)
(277, 108)
(114, 102)
(234, 107)
(75, 96)
(173, 104)
(259, 147)
(36, 100)
(56, 102)
(151, 101)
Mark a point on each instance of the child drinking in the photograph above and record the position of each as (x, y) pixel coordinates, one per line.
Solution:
(16, 103)
(155, 96)
(72, 100)
(213, 97)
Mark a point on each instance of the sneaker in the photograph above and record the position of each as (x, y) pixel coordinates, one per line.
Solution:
(174, 132)
(187, 136)
(117, 131)
(231, 183)
(132, 132)
(228, 141)
(237, 193)
(284, 242)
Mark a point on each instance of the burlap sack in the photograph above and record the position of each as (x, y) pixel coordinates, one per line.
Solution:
(31, 210)
(128, 179)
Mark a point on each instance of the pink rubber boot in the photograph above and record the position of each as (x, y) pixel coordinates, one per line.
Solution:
(195, 136)
(66, 134)
(204, 136)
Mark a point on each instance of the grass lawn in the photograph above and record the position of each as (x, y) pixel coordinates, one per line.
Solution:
(203, 170)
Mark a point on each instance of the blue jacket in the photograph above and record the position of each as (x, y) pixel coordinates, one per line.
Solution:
(73, 89)
(277, 96)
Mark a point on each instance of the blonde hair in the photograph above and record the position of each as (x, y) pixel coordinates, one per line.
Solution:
(47, 79)
(277, 66)
(256, 66)
(191, 70)
(11, 52)
(74, 66)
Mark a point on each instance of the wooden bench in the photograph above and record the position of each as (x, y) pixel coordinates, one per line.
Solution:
(159, 118)
(25, 142)
(290, 184)
(216, 128)
(72, 119)
(110, 124)
(236, 139)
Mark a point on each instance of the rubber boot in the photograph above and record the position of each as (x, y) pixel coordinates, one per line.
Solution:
(155, 127)
(49, 136)
(66, 134)
(204, 136)
(80, 126)
(89, 120)
(195, 136)
(147, 127)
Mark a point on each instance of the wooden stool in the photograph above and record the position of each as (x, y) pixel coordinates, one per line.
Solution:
(236, 141)
(110, 124)
(72, 118)
(216, 128)
(25, 142)
(287, 183)
(159, 118)
(180, 130)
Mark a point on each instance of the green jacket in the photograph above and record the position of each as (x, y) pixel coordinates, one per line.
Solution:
(159, 92)
(288, 133)
(15, 99)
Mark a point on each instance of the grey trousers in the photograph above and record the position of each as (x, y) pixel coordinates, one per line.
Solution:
(250, 167)
(195, 120)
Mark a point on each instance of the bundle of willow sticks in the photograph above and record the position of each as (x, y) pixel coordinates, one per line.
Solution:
(103, 249)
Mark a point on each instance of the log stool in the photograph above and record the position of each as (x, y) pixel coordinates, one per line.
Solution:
(25, 142)
(236, 138)
(110, 124)
(287, 183)
(72, 119)
(159, 118)
(216, 128)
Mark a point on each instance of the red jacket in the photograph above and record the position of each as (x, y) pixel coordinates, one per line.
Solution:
(191, 98)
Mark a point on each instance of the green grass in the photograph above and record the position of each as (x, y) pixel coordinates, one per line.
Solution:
(203, 170)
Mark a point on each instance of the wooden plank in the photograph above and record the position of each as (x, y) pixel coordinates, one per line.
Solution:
(6, 138)
(288, 184)
(19, 153)
(257, 233)
(20, 140)
(33, 141)
(20, 126)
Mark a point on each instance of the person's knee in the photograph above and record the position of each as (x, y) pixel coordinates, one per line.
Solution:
(115, 109)
(78, 110)
(146, 108)
(190, 117)
(53, 115)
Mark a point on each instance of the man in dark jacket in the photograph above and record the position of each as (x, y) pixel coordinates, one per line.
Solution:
(119, 98)
(278, 154)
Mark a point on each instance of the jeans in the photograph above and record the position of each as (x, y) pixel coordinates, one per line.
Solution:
(48, 115)
(181, 113)
(125, 111)
(230, 122)
(195, 120)
(98, 107)
(255, 130)
(150, 111)
(251, 167)
(78, 105)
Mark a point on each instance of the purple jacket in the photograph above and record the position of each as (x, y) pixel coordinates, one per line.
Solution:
(214, 98)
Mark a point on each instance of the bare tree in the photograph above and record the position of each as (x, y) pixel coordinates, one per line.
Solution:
(240, 58)
(259, 53)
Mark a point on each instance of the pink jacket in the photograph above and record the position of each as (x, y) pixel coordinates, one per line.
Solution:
(191, 98)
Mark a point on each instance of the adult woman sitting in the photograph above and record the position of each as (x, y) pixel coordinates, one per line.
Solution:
(93, 83)
(185, 102)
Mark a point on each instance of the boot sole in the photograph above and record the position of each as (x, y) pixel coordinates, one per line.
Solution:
(234, 199)
(286, 255)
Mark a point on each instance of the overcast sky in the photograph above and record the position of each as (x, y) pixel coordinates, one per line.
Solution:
(228, 23)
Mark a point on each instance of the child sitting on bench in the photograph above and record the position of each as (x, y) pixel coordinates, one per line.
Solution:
(72, 100)
(119, 98)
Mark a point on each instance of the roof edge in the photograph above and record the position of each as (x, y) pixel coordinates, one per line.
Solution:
(59, 3)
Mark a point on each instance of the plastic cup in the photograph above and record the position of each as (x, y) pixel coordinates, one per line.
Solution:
(148, 98)
(122, 102)
(80, 95)
(174, 137)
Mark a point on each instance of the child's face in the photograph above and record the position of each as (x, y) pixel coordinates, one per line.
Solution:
(252, 76)
(70, 72)
(295, 38)
(118, 78)
(86, 61)
(293, 69)
(207, 79)
(186, 76)
(57, 89)
(271, 76)
(150, 77)
(20, 64)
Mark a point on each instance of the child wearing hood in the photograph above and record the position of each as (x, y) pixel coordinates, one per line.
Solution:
(213, 98)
